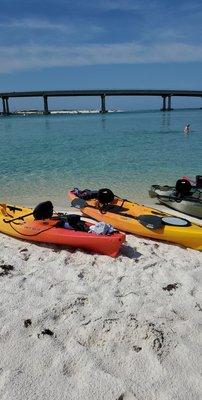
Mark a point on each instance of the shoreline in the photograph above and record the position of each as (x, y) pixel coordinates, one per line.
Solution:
(89, 111)
(59, 112)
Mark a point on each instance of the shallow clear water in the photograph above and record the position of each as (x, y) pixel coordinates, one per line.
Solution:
(42, 157)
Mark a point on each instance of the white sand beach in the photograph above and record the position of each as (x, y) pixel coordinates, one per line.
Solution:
(80, 326)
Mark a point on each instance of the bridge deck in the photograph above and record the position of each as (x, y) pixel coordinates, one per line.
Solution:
(165, 94)
(107, 92)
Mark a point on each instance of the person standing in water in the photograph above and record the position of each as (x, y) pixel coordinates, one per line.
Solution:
(187, 128)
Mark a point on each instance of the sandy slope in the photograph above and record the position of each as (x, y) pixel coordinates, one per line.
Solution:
(79, 326)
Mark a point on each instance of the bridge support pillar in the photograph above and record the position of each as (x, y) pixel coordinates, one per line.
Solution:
(103, 106)
(169, 108)
(5, 106)
(46, 110)
(164, 103)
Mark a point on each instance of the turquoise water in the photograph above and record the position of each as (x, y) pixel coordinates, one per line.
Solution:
(42, 157)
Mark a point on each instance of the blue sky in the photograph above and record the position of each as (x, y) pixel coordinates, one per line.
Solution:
(132, 44)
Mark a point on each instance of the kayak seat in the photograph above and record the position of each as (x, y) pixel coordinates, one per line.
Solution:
(43, 210)
(183, 188)
(105, 196)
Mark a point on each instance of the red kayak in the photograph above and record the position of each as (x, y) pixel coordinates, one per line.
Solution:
(34, 226)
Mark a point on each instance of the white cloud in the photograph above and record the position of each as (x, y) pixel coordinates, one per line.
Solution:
(31, 23)
(126, 5)
(34, 56)
(36, 26)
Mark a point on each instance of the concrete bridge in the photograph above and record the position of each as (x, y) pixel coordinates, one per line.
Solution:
(166, 96)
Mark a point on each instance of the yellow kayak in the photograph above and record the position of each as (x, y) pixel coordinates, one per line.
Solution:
(137, 219)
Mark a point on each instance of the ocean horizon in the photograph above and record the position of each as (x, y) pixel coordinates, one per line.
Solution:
(42, 157)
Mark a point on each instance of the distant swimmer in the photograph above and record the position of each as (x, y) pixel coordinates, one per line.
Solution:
(187, 128)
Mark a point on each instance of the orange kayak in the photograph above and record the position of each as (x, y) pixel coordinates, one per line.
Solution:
(13, 223)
